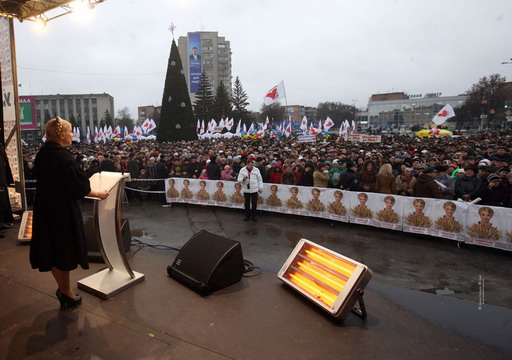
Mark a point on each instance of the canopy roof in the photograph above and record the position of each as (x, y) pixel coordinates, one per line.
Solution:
(29, 9)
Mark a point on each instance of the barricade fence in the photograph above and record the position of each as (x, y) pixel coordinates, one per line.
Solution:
(474, 224)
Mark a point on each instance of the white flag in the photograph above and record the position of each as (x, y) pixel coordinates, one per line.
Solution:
(88, 137)
(145, 125)
(304, 124)
(444, 114)
(353, 126)
(275, 94)
(245, 128)
(288, 130)
(251, 128)
(238, 127)
(328, 123)
(266, 123)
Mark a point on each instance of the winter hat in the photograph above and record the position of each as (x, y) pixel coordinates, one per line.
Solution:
(493, 177)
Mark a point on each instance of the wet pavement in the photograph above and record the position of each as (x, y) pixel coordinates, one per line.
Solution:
(400, 259)
(260, 318)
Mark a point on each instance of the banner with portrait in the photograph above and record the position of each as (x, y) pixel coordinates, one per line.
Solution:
(456, 220)
(489, 226)
(194, 61)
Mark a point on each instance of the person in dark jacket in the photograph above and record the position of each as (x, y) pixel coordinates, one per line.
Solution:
(213, 169)
(193, 169)
(288, 177)
(349, 180)
(368, 176)
(58, 243)
(307, 177)
(107, 164)
(494, 192)
(446, 180)
(93, 168)
(468, 186)
(426, 185)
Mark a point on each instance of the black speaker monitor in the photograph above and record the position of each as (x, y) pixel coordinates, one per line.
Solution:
(93, 251)
(208, 262)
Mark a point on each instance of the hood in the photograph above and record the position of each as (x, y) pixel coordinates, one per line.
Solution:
(370, 162)
(424, 178)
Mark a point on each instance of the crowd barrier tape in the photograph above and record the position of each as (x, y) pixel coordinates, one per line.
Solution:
(474, 224)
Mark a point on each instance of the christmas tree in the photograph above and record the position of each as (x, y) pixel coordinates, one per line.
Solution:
(203, 106)
(239, 100)
(222, 106)
(176, 118)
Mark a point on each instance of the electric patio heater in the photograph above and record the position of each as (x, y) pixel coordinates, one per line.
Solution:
(332, 281)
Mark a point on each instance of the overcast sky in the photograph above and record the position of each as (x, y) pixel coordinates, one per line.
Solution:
(326, 50)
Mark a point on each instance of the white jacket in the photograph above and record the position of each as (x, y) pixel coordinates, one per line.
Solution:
(255, 180)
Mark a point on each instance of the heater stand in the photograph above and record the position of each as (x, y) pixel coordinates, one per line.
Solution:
(361, 311)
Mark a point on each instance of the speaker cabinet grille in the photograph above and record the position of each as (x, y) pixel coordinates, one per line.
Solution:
(208, 262)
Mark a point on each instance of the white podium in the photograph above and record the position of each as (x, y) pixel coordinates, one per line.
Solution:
(107, 219)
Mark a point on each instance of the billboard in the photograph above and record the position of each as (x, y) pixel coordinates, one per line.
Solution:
(28, 112)
(194, 53)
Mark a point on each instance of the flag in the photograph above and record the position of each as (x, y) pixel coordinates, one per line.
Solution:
(245, 128)
(88, 136)
(275, 94)
(312, 130)
(238, 127)
(304, 124)
(152, 125)
(230, 124)
(117, 131)
(328, 123)
(95, 134)
(288, 130)
(266, 123)
(444, 114)
(251, 128)
(353, 126)
(319, 128)
(145, 125)
(125, 132)
(202, 127)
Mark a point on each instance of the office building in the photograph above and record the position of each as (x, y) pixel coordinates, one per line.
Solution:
(400, 111)
(83, 109)
(205, 51)
(297, 112)
(148, 112)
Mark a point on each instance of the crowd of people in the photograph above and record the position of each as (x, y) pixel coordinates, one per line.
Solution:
(476, 167)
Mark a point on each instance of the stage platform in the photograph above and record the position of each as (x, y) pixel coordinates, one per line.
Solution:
(258, 318)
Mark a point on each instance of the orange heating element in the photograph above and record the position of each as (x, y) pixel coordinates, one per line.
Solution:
(28, 227)
(329, 274)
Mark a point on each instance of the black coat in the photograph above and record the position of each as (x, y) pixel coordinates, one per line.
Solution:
(349, 181)
(58, 236)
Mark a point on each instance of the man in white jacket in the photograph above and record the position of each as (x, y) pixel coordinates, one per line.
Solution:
(252, 184)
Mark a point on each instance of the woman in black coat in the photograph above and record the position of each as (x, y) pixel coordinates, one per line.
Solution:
(58, 243)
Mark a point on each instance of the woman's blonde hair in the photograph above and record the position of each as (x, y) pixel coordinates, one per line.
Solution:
(55, 127)
(386, 169)
(451, 204)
